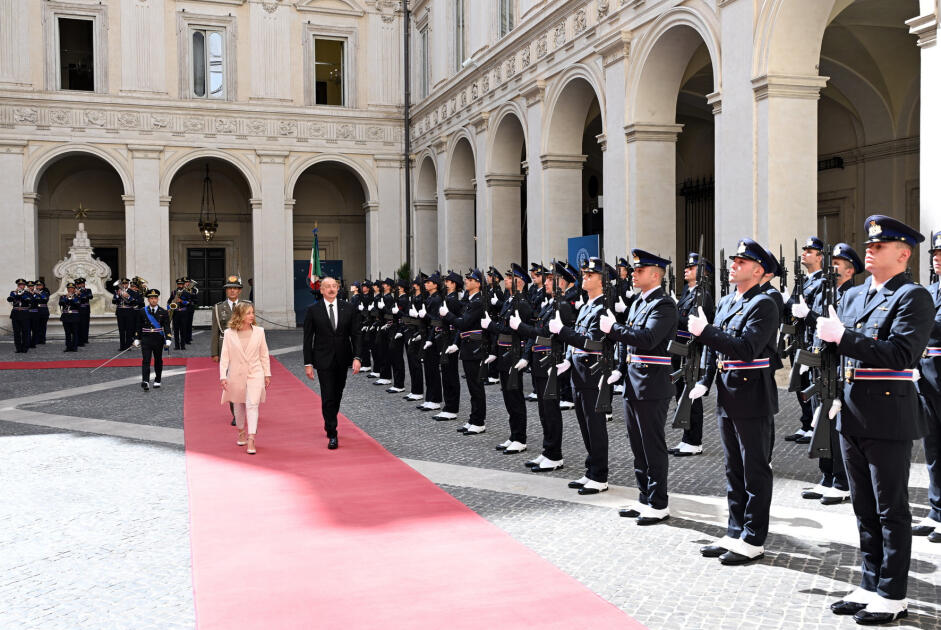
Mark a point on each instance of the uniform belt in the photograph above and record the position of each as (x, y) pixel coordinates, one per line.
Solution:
(411, 321)
(128, 306)
(505, 340)
(66, 311)
(931, 352)
(20, 308)
(648, 358)
(543, 341)
(437, 323)
(472, 334)
(387, 317)
(152, 330)
(579, 351)
(879, 374)
(757, 364)
(682, 334)
(542, 348)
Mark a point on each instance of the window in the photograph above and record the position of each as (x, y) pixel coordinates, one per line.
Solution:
(460, 47)
(208, 54)
(507, 16)
(424, 53)
(328, 72)
(206, 265)
(76, 54)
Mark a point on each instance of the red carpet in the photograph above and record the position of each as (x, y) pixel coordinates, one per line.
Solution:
(302, 537)
(83, 363)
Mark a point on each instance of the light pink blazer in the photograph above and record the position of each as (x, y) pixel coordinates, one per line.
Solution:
(244, 367)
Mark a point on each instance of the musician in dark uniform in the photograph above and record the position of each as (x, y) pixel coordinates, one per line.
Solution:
(881, 330)
(152, 335)
(69, 316)
(585, 341)
(125, 306)
(691, 443)
(84, 309)
(435, 329)
(448, 345)
(929, 385)
(833, 487)
(183, 300)
(42, 297)
(413, 329)
(21, 300)
(35, 316)
(740, 344)
(650, 325)
(472, 350)
(190, 288)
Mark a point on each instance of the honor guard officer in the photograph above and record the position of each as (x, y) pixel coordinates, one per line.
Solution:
(190, 288)
(435, 336)
(153, 333)
(374, 314)
(929, 385)
(365, 308)
(585, 341)
(183, 300)
(42, 299)
(739, 349)
(385, 322)
(221, 312)
(511, 358)
(21, 300)
(571, 294)
(450, 378)
(69, 316)
(495, 281)
(833, 487)
(691, 443)
(812, 261)
(84, 298)
(537, 297)
(768, 289)
(397, 341)
(34, 315)
(881, 330)
(650, 326)
(472, 351)
(125, 309)
(413, 328)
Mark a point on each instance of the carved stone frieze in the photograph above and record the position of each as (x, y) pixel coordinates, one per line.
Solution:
(603, 8)
(559, 35)
(95, 118)
(524, 58)
(542, 46)
(129, 120)
(60, 116)
(581, 21)
(225, 125)
(287, 128)
(345, 131)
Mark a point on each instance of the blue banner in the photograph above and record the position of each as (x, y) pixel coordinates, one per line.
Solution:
(581, 248)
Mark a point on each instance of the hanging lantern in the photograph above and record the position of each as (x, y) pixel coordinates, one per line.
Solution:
(208, 223)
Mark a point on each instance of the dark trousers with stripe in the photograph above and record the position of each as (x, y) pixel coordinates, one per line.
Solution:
(151, 345)
(932, 444)
(451, 383)
(515, 403)
(432, 371)
(84, 324)
(692, 435)
(415, 374)
(475, 388)
(126, 318)
(746, 442)
(646, 430)
(21, 336)
(397, 361)
(550, 416)
(594, 429)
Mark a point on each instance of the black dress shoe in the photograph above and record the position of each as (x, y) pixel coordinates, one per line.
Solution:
(712, 551)
(586, 491)
(833, 500)
(672, 451)
(501, 447)
(811, 494)
(793, 437)
(540, 469)
(934, 537)
(804, 439)
(332, 444)
(866, 618)
(628, 512)
(531, 464)
(922, 530)
(844, 607)
(732, 558)
(576, 485)
(649, 520)
(145, 387)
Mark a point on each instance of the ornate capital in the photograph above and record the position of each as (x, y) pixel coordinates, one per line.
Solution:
(652, 132)
(507, 180)
(480, 121)
(806, 86)
(560, 160)
(925, 27)
(614, 47)
(534, 93)
(266, 156)
(715, 99)
(602, 139)
(440, 144)
(128, 200)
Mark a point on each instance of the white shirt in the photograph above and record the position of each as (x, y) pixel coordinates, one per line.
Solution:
(231, 304)
(644, 295)
(328, 303)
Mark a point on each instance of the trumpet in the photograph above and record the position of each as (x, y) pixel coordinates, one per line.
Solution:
(173, 306)
(193, 288)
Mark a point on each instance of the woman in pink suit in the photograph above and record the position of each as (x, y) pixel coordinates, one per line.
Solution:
(245, 370)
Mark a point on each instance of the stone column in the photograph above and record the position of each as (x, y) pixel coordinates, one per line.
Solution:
(786, 155)
(651, 186)
(373, 234)
(502, 241)
(485, 217)
(426, 234)
(562, 204)
(614, 50)
(390, 246)
(18, 252)
(273, 243)
(459, 210)
(536, 223)
(147, 220)
(926, 28)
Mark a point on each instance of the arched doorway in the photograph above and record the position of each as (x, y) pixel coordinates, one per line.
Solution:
(330, 196)
(506, 195)
(459, 228)
(426, 215)
(230, 250)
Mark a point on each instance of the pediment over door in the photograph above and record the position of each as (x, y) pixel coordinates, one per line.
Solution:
(334, 7)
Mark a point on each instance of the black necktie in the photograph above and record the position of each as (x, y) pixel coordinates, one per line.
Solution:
(153, 310)
(333, 319)
(870, 295)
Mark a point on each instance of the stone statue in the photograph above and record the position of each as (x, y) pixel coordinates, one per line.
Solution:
(80, 262)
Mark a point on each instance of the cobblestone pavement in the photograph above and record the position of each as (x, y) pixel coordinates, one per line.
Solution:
(125, 562)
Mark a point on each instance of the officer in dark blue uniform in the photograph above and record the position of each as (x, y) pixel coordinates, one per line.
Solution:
(930, 388)
(69, 316)
(512, 357)
(42, 298)
(183, 300)
(472, 350)
(191, 311)
(435, 332)
(413, 329)
(586, 342)
(384, 322)
(812, 260)
(542, 347)
(152, 335)
(572, 295)
(84, 309)
(650, 326)
(125, 307)
(740, 345)
(537, 299)
(397, 338)
(21, 300)
(691, 443)
(881, 330)
(833, 487)
(495, 281)
(449, 345)
(365, 311)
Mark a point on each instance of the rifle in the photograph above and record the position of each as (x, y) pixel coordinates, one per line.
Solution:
(691, 353)
(673, 279)
(932, 275)
(552, 359)
(782, 335)
(783, 283)
(825, 362)
(513, 354)
(798, 327)
(605, 363)
(723, 273)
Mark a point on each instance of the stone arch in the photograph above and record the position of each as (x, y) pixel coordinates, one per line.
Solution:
(498, 158)
(426, 212)
(172, 166)
(505, 181)
(567, 103)
(44, 159)
(426, 187)
(458, 223)
(460, 164)
(789, 35)
(365, 176)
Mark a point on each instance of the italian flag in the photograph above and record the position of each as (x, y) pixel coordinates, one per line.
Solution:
(314, 272)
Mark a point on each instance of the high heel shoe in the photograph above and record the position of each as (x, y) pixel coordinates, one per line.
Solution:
(251, 445)
(242, 439)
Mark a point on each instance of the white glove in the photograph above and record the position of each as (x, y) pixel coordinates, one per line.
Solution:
(620, 306)
(631, 293)
(371, 306)
(398, 336)
(450, 349)
(423, 313)
(607, 321)
(427, 345)
(803, 369)
(167, 343)
(380, 305)
(698, 323)
(494, 300)
(830, 328)
(615, 377)
(800, 309)
(835, 409)
(137, 343)
(490, 359)
(562, 367)
(521, 365)
(485, 321)
(787, 294)
(699, 390)
(395, 309)
(443, 310)
(515, 320)
(360, 307)
(579, 302)
(412, 312)
(555, 324)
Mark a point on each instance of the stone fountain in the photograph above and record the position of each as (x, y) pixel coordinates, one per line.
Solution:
(80, 262)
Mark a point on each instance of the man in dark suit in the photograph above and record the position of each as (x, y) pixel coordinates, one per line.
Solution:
(332, 341)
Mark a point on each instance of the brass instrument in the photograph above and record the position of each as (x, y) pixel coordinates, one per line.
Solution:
(193, 288)
(173, 306)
